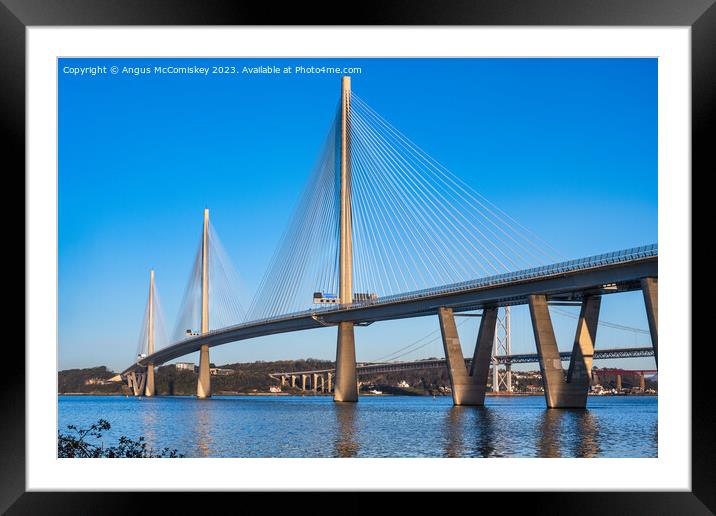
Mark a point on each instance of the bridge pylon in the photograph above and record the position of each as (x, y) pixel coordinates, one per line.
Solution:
(346, 384)
(203, 386)
(149, 384)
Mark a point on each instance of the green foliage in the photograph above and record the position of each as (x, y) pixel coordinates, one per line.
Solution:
(248, 378)
(76, 445)
(84, 381)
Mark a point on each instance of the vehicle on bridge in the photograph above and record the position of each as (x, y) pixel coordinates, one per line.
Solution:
(360, 297)
(320, 298)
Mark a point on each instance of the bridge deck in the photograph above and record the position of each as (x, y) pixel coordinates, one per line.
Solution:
(619, 271)
(524, 358)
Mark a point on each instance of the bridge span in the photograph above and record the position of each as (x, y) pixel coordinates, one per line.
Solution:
(324, 377)
(368, 368)
(415, 225)
(573, 280)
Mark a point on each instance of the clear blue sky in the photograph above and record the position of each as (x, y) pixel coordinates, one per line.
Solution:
(568, 147)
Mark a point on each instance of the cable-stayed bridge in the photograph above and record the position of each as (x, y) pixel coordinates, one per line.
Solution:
(384, 232)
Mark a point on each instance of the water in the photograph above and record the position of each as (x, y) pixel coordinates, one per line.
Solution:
(401, 426)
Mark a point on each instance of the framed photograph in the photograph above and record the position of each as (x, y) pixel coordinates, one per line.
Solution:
(275, 251)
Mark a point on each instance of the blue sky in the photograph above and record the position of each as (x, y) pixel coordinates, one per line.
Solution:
(567, 147)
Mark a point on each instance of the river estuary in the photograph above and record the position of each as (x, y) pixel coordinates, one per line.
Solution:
(376, 426)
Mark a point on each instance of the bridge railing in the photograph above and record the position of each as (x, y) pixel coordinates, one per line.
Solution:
(580, 264)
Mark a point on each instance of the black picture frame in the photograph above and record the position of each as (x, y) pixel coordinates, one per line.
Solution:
(699, 15)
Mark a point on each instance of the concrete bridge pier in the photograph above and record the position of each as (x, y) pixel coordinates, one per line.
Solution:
(314, 382)
(468, 388)
(619, 383)
(303, 382)
(346, 388)
(131, 383)
(642, 382)
(330, 381)
(203, 385)
(650, 289)
(572, 391)
(293, 380)
(136, 382)
(283, 381)
(149, 387)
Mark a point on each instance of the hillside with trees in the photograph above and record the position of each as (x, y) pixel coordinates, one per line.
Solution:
(253, 377)
(246, 378)
(94, 380)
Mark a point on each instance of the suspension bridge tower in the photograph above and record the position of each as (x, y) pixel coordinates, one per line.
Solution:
(346, 386)
(203, 387)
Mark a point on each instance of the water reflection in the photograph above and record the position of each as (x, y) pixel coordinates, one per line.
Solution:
(202, 425)
(453, 432)
(470, 432)
(346, 444)
(550, 428)
(484, 423)
(619, 426)
(587, 444)
(150, 418)
(575, 427)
